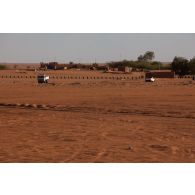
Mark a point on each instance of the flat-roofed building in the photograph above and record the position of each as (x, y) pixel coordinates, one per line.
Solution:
(160, 74)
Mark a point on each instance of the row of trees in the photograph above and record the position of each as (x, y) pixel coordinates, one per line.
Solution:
(144, 61)
(136, 64)
(182, 66)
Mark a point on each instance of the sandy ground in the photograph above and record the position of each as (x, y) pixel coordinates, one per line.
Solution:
(96, 120)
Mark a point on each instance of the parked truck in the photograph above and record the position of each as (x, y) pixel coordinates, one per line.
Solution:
(42, 78)
(149, 79)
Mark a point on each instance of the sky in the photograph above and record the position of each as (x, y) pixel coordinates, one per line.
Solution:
(89, 48)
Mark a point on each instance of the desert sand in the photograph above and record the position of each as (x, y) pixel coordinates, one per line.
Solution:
(96, 120)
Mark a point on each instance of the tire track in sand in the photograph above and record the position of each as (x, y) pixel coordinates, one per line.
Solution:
(131, 111)
(102, 151)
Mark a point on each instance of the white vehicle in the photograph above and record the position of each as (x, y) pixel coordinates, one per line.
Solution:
(42, 78)
(151, 79)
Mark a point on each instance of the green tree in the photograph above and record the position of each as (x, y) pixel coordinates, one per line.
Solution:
(192, 65)
(180, 65)
(148, 56)
(140, 58)
(156, 65)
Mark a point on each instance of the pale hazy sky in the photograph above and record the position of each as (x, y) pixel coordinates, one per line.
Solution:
(90, 47)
